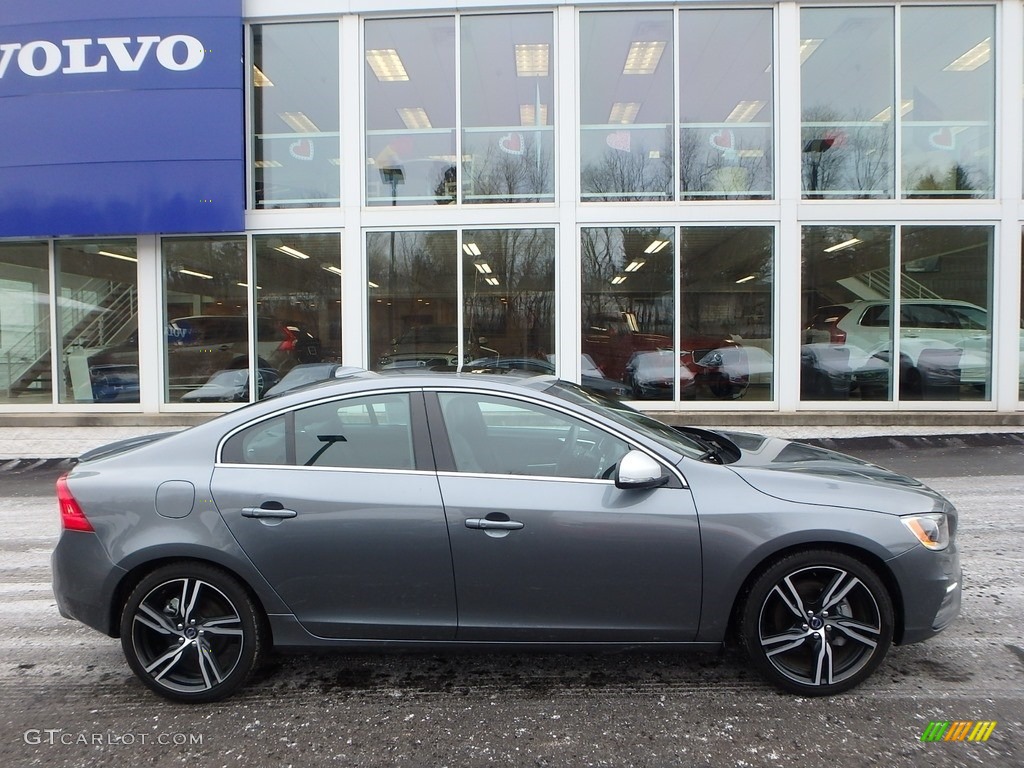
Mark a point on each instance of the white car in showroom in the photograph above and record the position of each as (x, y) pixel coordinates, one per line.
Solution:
(943, 343)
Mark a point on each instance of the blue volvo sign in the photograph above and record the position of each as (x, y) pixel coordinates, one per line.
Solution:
(121, 117)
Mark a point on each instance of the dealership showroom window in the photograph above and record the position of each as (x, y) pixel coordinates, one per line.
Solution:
(774, 207)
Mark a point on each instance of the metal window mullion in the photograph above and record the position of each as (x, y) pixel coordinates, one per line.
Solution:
(459, 170)
(897, 107)
(56, 375)
(896, 302)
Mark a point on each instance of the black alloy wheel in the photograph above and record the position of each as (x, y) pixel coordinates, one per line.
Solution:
(817, 623)
(191, 632)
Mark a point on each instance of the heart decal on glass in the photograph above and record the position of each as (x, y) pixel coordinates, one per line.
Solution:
(512, 143)
(723, 140)
(944, 138)
(301, 149)
(619, 140)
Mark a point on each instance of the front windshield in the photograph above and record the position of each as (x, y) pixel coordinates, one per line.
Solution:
(628, 417)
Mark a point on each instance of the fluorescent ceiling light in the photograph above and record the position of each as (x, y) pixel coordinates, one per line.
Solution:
(886, 114)
(291, 252)
(414, 117)
(808, 46)
(471, 249)
(634, 265)
(330, 268)
(746, 279)
(750, 153)
(845, 244)
(491, 280)
(196, 274)
(267, 164)
(335, 161)
(619, 279)
(386, 65)
(259, 80)
(643, 58)
(745, 111)
(121, 256)
(372, 284)
(532, 59)
(973, 59)
(246, 285)
(299, 122)
(482, 267)
(656, 246)
(624, 112)
(528, 114)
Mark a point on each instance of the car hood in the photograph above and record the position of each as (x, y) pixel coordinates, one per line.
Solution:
(807, 474)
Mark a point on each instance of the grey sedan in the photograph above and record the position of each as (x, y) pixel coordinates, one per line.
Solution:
(442, 511)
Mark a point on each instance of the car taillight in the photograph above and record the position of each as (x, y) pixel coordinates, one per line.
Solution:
(290, 338)
(72, 518)
(835, 335)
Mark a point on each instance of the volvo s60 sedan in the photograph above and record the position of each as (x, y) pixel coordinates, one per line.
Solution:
(440, 511)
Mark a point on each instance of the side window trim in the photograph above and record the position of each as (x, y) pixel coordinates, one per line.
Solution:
(423, 457)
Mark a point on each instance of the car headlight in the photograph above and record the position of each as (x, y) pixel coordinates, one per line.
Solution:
(931, 530)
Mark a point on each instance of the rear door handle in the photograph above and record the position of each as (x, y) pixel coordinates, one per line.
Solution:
(263, 513)
(483, 524)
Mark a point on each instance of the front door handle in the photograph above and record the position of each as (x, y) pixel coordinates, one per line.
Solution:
(483, 524)
(268, 512)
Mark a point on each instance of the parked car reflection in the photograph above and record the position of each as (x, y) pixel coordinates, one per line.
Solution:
(232, 386)
(651, 376)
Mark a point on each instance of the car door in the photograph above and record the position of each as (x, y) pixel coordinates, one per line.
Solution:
(338, 506)
(544, 546)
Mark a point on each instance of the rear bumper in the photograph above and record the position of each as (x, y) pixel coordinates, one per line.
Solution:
(85, 580)
(931, 584)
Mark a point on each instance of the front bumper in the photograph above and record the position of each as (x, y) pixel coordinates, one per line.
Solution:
(85, 581)
(930, 584)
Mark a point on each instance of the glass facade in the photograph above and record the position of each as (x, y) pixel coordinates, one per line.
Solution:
(25, 361)
(689, 206)
(296, 150)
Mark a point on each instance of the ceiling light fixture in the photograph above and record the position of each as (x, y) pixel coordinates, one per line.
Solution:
(530, 115)
(656, 246)
(532, 59)
(808, 46)
(415, 118)
(471, 249)
(117, 256)
(386, 65)
(330, 268)
(195, 274)
(886, 114)
(491, 280)
(619, 279)
(746, 279)
(482, 267)
(287, 249)
(745, 111)
(843, 245)
(624, 112)
(643, 57)
(299, 122)
(260, 80)
(634, 265)
(972, 59)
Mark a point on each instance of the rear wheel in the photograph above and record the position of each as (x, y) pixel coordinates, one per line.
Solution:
(191, 632)
(817, 622)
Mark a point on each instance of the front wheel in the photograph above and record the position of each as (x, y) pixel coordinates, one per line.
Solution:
(817, 623)
(191, 632)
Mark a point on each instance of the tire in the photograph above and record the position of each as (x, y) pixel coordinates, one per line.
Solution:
(192, 633)
(817, 623)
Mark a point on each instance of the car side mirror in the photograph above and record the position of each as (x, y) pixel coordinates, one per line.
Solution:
(637, 470)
